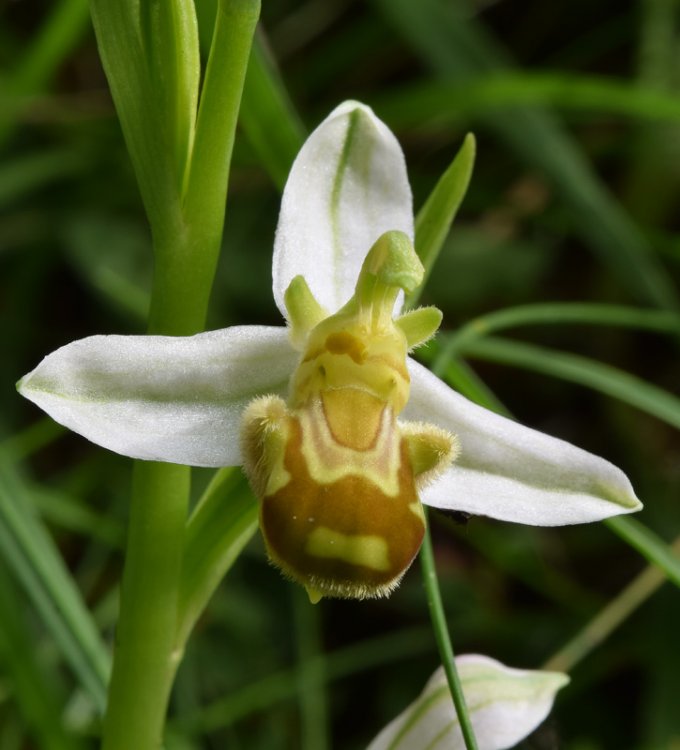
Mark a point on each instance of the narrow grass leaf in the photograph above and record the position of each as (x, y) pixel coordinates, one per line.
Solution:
(268, 117)
(648, 544)
(205, 186)
(35, 687)
(448, 102)
(30, 552)
(26, 174)
(458, 47)
(582, 370)
(661, 321)
(223, 522)
(459, 375)
(57, 37)
(260, 695)
(149, 138)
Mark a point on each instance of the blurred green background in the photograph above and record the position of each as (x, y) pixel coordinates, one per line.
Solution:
(574, 199)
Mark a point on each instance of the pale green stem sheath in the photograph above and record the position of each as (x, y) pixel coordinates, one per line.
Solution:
(608, 619)
(186, 250)
(441, 632)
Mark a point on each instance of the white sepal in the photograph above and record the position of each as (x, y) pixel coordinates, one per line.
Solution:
(511, 472)
(504, 704)
(348, 186)
(163, 398)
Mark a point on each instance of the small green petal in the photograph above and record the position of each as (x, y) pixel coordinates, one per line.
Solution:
(419, 325)
(304, 312)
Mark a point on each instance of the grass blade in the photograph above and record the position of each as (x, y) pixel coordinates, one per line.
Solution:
(660, 321)
(223, 522)
(57, 37)
(34, 688)
(648, 544)
(582, 370)
(450, 102)
(458, 47)
(272, 125)
(30, 552)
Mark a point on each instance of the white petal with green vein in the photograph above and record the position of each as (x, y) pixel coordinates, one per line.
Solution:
(511, 472)
(163, 398)
(505, 705)
(347, 186)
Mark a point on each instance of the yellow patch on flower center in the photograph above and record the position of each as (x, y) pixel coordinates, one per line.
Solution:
(353, 417)
(374, 456)
(369, 551)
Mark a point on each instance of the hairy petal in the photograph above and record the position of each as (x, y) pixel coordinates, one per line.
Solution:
(163, 398)
(511, 472)
(348, 186)
(505, 705)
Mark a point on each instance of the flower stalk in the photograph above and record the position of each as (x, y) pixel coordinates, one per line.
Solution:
(441, 633)
(144, 661)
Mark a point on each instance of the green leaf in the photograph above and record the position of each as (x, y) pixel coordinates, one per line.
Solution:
(560, 312)
(263, 693)
(448, 102)
(206, 188)
(170, 39)
(459, 375)
(582, 370)
(148, 136)
(29, 551)
(648, 544)
(35, 686)
(434, 219)
(458, 47)
(223, 522)
(56, 39)
(27, 173)
(268, 117)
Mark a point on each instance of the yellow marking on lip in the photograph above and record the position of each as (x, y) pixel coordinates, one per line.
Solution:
(355, 549)
(328, 460)
(353, 416)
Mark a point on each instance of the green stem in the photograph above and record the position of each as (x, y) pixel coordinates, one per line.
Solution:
(615, 613)
(441, 632)
(144, 660)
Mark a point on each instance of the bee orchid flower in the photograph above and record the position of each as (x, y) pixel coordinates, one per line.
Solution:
(341, 433)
